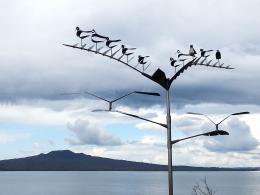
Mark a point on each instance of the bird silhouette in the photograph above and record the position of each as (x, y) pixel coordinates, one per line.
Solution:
(141, 61)
(109, 42)
(218, 56)
(82, 34)
(96, 38)
(181, 54)
(125, 49)
(173, 61)
(203, 53)
(192, 51)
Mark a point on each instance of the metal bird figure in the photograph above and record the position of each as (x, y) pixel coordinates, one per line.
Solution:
(141, 61)
(124, 51)
(96, 38)
(218, 56)
(109, 42)
(192, 51)
(173, 61)
(82, 34)
(181, 54)
(203, 52)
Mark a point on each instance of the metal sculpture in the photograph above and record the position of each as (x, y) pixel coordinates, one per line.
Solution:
(142, 62)
(192, 51)
(173, 61)
(217, 124)
(110, 102)
(82, 34)
(218, 56)
(160, 78)
(108, 44)
(96, 38)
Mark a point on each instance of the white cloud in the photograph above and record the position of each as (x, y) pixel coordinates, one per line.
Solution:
(35, 67)
(87, 133)
(6, 138)
(240, 139)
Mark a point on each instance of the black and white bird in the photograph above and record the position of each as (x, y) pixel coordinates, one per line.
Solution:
(109, 42)
(203, 53)
(125, 49)
(141, 59)
(82, 34)
(181, 54)
(142, 62)
(173, 61)
(192, 51)
(96, 38)
(218, 55)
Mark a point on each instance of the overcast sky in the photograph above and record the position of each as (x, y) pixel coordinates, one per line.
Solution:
(36, 68)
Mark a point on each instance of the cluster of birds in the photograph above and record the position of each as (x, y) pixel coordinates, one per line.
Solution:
(192, 53)
(111, 44)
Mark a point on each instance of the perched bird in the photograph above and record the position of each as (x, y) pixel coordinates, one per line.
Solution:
(96, 38)
(218, 55)
(142, 62)
(181, 54)
(173, 61)
(124, 51)
(192, 51)
(141, 59)
(109, 42)
(203, 53)
(82, 34)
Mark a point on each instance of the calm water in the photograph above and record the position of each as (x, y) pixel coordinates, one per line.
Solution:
(124, 183)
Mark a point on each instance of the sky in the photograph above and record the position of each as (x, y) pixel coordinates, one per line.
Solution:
(36, 68)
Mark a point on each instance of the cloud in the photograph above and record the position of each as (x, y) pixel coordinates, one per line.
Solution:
(11, 137)
(51, 68)
(239, 140)
(87, 134)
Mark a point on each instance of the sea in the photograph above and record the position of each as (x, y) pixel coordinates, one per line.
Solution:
(125, 183)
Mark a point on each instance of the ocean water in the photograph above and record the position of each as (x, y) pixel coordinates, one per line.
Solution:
(125, 183)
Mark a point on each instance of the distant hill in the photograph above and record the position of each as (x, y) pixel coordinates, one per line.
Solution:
(66, 160)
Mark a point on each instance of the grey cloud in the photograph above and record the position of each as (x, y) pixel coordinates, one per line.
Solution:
(86, 134)
(40, 67)
(240, 138)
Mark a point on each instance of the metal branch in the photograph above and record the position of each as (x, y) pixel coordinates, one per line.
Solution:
(103, 54)
(135, 116)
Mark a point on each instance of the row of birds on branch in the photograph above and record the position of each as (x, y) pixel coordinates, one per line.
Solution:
(111, 44)
(192, 53)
